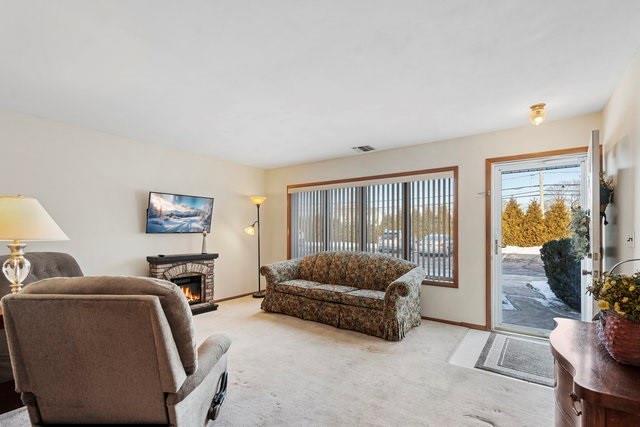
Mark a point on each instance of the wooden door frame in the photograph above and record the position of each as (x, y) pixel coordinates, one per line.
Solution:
(488, 183)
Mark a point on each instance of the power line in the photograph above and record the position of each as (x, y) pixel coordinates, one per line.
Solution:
(560, 172)
(537, 186)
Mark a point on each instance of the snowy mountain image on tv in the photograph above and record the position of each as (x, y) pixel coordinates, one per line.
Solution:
(173, 213)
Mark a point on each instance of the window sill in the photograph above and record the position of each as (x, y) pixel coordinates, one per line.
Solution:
(440, 284)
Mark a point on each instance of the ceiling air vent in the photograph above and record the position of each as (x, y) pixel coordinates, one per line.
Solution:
(363, 148)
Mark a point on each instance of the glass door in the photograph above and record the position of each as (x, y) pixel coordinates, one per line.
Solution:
(538, 209)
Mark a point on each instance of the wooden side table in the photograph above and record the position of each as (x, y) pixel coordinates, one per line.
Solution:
(591, 388)
(9, 399)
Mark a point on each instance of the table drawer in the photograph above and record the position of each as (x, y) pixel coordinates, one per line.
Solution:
(563, 395)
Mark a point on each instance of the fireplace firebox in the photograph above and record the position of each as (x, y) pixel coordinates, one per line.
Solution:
(191, 287)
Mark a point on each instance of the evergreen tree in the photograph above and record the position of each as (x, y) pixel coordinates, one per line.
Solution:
(557, 220)
(533, 228)
(512, 220)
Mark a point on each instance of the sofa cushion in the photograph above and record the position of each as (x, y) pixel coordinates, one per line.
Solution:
(390, 269)
(305, 269)
(374, 271)
(330, 293)
(361, 271)
(339, 268)
(364, 298)
(358, 269)
(295, 287)
(314, 290)
(322, 267)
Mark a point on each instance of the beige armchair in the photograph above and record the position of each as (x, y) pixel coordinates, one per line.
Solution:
(112, 350)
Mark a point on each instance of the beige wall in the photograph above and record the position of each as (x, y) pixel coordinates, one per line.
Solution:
(621, 138)
(467, 303)
(96, 186)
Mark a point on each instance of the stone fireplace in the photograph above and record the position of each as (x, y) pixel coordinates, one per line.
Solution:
(192, 273)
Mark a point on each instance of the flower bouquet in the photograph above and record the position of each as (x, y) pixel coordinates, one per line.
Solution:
(618, 296)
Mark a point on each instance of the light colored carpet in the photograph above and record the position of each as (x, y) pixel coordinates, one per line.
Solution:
(289, 372)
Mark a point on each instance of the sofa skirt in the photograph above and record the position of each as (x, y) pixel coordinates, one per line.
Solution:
(366, 320)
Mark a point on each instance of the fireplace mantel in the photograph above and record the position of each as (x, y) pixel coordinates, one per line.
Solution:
(169, 259)
(180, 267)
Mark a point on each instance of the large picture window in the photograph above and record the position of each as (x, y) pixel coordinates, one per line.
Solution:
(411, 215)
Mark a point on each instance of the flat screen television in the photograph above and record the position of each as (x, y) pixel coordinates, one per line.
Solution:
(178, 213)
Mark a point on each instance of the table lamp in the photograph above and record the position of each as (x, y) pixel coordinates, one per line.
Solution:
(23, 219)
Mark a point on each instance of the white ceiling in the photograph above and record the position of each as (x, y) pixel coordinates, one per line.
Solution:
(278, 82)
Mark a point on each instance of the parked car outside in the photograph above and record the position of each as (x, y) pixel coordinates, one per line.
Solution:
(434, 245)
(390, 241)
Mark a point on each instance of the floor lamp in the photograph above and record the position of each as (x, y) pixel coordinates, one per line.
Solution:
(251, 230)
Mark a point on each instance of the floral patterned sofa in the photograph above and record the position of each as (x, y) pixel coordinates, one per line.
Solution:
(370, 293)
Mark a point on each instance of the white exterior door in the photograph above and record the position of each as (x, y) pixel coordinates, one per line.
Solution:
(592, 265)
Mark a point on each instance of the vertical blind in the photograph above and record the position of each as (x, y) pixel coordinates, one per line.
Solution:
(384, 219)
(308, 223)
(344, 217)
(412, 219)
(432, 238)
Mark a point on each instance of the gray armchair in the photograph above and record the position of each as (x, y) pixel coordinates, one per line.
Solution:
(116, 350)
(43, 266)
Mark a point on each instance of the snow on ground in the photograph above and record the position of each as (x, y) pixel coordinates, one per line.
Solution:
(506, 304)
(542, 286)
(532, 250)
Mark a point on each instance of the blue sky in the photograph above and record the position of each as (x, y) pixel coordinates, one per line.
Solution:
(176, 201)
(525, 186)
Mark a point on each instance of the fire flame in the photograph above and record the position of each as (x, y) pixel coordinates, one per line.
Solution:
(191, 297)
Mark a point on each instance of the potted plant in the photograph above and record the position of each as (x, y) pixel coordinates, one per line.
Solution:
(618, 296)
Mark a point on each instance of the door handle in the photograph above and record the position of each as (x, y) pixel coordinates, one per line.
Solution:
(575, 399)
(587, 273)
(495, 247)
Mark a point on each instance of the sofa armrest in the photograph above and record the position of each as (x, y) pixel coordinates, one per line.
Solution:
(209, 353)
(403, 291)
(281, 271)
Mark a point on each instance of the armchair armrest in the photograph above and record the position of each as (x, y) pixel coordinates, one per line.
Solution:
(209, 353)
(401, 291)
(281, 271)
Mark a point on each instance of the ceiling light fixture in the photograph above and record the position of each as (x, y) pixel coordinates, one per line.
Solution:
(537, 113)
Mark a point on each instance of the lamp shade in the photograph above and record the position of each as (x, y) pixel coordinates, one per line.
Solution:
(24, 218)
(257, 200)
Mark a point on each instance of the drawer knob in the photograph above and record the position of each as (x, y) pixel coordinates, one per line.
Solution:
(575, 400)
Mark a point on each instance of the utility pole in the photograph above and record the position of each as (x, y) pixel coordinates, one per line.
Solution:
(541, 181)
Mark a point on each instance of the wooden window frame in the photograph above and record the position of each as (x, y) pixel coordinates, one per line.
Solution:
(355, 180)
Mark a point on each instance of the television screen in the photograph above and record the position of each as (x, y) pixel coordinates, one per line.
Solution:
(177, 213)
